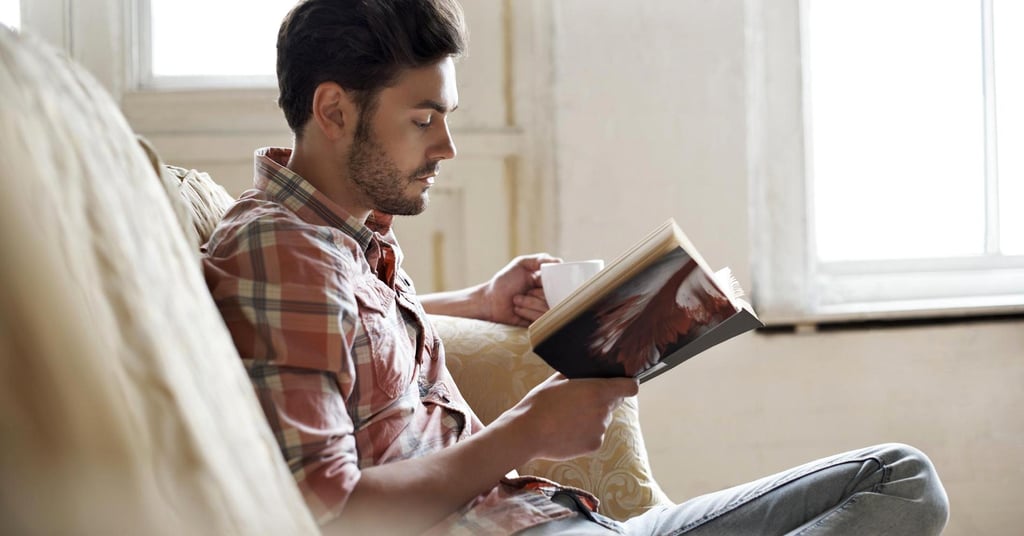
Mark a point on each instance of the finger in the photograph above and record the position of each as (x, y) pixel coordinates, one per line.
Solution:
(531, 300)
(523, 322)
(533, 262)
(618, 388)
(628, 386)
(532, 310)
(537, 292)
(527, 316)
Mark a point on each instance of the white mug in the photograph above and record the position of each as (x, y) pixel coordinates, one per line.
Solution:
(561, 279)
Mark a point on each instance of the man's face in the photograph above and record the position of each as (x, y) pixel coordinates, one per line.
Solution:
(399, 144)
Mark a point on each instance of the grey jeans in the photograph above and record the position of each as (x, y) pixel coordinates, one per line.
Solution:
(886, 489)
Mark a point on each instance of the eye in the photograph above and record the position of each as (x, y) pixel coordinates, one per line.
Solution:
(422, 124)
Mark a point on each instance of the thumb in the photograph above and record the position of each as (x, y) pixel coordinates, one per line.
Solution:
(627, 386)
(630, 386)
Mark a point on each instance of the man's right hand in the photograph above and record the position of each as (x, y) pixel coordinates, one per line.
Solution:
(558, 419)
(561, 418)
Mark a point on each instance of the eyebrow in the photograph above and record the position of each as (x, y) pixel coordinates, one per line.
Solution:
(434, 105)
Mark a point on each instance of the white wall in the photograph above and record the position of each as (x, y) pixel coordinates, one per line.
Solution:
(650, 123)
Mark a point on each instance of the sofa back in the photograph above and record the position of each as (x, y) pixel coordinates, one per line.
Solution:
(125, 408)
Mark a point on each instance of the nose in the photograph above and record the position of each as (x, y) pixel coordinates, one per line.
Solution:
(444, 149)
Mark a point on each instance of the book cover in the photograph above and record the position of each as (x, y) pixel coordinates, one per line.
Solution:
(652, 308)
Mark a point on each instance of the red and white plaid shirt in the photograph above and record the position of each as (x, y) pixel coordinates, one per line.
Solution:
(347, 367)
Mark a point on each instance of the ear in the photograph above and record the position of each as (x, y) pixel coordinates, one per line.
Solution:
(334, 112)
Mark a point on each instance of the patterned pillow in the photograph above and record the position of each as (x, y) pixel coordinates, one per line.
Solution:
(198, 201)
(172, 186)
(206, 200)
(494, 367)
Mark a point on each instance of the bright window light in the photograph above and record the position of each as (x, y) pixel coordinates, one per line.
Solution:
(897, 128)
(1008, 18)
(10, 13)
(200, 38)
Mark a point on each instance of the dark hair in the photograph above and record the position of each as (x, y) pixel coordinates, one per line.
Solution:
(362, 45)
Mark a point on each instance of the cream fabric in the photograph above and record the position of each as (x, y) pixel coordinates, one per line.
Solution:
(206, 200)
(123, 404)
(173, 185)
(494, 367)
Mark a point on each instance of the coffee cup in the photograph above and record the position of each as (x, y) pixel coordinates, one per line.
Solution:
(560, 279)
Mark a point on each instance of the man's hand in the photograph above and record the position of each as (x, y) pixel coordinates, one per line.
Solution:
(515, 295)
(562, 418)
(558, 419)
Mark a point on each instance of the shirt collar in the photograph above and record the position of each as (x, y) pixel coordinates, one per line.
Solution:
(288, 188)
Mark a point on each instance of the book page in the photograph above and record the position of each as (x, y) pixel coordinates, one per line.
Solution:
(739, 323)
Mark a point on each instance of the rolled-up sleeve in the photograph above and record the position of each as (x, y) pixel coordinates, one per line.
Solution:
(308, 416)
(284, 290)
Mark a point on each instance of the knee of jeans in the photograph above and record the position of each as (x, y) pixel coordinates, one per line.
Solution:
(909, 465)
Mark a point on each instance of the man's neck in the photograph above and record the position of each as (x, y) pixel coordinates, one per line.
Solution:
(318, 168)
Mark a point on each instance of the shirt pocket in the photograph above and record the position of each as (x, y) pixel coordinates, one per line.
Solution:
(391, 351)
(454, 407)
(429, 344)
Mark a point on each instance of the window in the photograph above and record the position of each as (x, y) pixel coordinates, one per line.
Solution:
(198, 43)
(905, 129)
(1009, 90)
(10, 13)
(895, 188)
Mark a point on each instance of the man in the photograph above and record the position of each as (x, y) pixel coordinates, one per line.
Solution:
(307, 274)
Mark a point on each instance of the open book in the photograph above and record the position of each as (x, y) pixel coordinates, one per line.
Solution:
(652, 308)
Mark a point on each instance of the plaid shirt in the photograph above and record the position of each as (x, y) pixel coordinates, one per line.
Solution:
(347, 367)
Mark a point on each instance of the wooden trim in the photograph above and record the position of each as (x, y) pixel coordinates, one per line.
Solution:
(513, 193)
(534, 86)
(438, 255)
(508, 70)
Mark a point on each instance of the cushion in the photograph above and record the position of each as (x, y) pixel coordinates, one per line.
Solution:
(172, 185)
(494, 368)
(198, 201)
(123, 405)
(205, 200)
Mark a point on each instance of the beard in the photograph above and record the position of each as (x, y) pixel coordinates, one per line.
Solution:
(380, 180)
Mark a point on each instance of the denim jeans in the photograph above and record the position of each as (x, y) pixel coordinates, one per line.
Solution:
(886, 489)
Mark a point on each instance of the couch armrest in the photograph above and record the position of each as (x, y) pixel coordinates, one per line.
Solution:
(125, 408)
(494, 368)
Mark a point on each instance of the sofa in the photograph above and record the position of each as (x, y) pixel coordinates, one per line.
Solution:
(124, 405)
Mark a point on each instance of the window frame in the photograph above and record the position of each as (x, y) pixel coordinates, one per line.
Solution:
(790, 286)
(221, 119)
(120, 58)
(144, 80)
(63, 24)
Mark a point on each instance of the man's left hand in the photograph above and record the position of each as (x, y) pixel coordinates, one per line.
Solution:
(515, 295)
